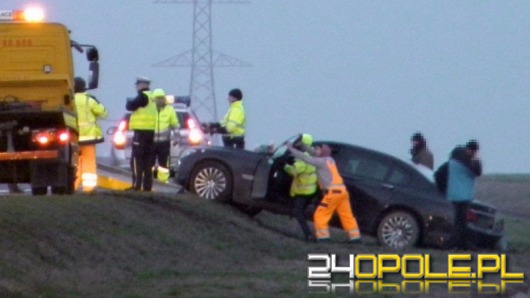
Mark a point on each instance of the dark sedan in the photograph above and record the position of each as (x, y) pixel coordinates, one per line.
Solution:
(390, 198)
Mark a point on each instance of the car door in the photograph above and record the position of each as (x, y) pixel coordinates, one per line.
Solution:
(364, 175)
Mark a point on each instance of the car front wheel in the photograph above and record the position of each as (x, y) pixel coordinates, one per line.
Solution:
(398, 230)
(212, 181)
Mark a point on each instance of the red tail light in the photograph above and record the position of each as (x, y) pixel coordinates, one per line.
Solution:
(123, 125)
(471, 216)
(43, 138)
(191, 124)
(63, 137)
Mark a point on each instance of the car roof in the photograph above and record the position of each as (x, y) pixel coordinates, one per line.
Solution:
(397, 161)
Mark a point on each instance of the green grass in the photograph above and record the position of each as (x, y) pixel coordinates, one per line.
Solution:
(143, 245)
(508, 177)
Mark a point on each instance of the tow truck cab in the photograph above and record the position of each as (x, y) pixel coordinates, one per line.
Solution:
(38, 119)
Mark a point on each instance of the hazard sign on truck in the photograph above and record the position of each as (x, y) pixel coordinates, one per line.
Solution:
(38, 120)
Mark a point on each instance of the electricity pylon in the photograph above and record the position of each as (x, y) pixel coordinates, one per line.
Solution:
(202, 58)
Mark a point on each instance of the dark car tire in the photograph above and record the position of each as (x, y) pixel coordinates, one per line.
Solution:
(39, 191)
(212, 181)
(398, 230)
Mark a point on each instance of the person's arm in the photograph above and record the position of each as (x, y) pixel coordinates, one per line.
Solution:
(97, 108)
(141, 100)
(476, 167)
(174, 124)
(316, 161)
(296, 168)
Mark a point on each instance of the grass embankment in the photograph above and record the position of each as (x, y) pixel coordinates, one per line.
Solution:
(147, 245)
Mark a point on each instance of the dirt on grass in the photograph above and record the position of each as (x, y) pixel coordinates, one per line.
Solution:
(115, 244)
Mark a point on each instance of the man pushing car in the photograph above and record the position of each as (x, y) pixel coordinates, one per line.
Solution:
(336, 197)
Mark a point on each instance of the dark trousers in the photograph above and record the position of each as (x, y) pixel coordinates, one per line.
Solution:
(142, 159)
(299, 207)
(461, 236)
(234, 142)
(161, 153)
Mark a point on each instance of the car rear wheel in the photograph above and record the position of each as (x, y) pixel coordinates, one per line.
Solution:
(212, 181)
(398, 230)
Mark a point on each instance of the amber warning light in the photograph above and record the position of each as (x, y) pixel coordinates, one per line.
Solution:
(33, 14)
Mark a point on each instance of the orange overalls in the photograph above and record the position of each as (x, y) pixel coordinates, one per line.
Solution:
(336, 198)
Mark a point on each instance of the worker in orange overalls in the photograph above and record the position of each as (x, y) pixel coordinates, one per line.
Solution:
(336, 197)
(89, 109)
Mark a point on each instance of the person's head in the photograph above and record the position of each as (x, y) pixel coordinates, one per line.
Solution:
(79, 85)
(160, 97)
(142, 83)
(323, 150)
(417, 139)
(472, 147)
(303, 142)
(235, 95)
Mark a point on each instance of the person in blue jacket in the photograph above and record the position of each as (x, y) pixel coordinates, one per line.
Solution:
(464, 167)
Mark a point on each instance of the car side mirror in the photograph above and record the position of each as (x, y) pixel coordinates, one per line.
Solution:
(93, 77)
(111, 130)
(92, 55)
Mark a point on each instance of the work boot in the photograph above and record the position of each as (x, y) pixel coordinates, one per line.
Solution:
(355, 241)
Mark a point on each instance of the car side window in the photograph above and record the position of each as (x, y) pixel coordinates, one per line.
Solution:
(366, 168)
(398, 176)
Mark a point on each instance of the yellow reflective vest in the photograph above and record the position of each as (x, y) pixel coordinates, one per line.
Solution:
(304, 178)
(166, 119)
(234, 120)
(144, 118)
(88, 111)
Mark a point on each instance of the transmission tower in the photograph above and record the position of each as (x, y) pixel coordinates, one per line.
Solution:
(202, 58)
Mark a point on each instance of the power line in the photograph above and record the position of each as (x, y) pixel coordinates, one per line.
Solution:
(202, 57)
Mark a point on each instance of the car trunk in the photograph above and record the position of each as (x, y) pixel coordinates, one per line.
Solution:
(484, 229)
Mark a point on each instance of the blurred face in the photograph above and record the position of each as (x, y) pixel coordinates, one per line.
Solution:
(160, 101)
(472, 153)
(231, 99)
(141, 85)
(318, 151)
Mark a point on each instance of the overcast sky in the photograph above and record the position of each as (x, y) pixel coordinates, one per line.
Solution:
(364, 72)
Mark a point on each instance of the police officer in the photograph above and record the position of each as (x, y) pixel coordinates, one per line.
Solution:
(166, 121)
(233, 123)
(142, 123)
(89, 109)
(304, 185)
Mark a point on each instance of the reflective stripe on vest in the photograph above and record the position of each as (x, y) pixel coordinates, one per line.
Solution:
(144, 118)
(336, 179)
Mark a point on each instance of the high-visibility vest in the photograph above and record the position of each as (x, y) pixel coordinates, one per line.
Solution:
(304, 178)
(234, 121)
(336, 178)
(88, 110)
(166, 119)
(144, 118)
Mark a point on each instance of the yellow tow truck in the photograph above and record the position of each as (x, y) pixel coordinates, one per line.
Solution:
(38, 120)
